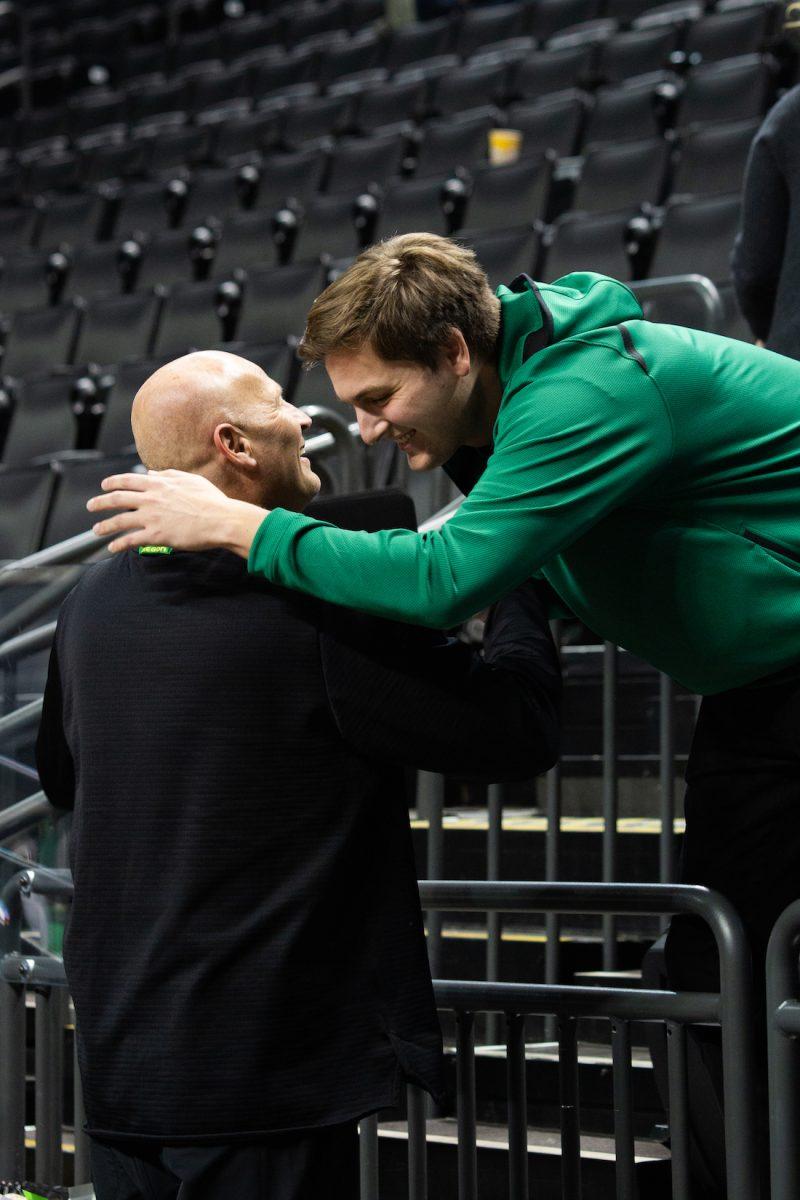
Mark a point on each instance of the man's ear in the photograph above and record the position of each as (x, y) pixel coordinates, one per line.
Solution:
(456, 353)
(232, 444)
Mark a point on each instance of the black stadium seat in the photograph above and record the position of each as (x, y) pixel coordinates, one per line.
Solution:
(23, 281)
(73, 220)
(244, 241)
(613, 177)
(97, 269)
(547, 71)
(146, 208)
(329, 225)
(588, 242)
(289, 176)
(411, 205)
(477, 83)
(389, 104)
(40, 339)
(514, 194)
(626, 112)
(551, 16)
(635, 52)
(451, 142)
(697, 236)
(216, 193)
(276, 301)
(77, 481)
(481, 26)
(308, 120)
(355, 163)
(555, 122)
(712, 158)
(190, 319)
(25, 497)
(43, 422)
(732, 90)
(420, 39)
(18, 228)
(505, 254)
(729, 30)
(117, 327)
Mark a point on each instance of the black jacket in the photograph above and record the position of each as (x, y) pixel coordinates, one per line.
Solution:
(245, 948)
(766, 256)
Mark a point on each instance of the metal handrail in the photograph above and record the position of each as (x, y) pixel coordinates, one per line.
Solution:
(733, 1005)
(21, 719)
(701, 285)
(783, 1031)
(18, 817)
(29, 642)
(353, 474)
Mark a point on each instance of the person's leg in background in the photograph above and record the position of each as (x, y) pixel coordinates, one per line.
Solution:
(743, 840)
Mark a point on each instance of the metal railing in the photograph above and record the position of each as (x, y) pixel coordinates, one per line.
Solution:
(44, 975)
(731, 1009)
(783, 1031)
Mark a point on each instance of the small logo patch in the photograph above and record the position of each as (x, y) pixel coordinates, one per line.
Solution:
(155, 549)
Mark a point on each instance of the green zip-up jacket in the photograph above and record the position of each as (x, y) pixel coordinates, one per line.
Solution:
(650, 473)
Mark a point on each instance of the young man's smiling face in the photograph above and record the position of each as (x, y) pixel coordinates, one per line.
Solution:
(426, 412)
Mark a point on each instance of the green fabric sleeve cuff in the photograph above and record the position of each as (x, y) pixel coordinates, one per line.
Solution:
(273, 530)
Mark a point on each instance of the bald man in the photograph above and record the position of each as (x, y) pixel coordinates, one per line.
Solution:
(245, 949)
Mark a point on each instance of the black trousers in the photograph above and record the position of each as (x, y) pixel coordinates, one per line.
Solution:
(743, 839)
(287, 1166)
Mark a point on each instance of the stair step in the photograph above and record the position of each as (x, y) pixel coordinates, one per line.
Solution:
(544, 1163)
(595, 1081)
(628, 979)
(522, 847)
(540, 1141)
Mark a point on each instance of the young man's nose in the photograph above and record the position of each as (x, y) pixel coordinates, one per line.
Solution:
(371, 428)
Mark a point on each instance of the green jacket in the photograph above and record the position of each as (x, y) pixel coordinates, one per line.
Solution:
(650, 473)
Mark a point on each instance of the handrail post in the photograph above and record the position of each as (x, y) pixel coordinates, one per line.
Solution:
(784, 1060)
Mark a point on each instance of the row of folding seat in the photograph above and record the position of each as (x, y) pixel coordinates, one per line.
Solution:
(439, 85)
(43, 505)
(48, 416)
(707, 160)
(268, 303)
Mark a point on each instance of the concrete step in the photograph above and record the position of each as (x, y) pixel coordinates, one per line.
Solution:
(522, 846)
(595, 1082)
(544, 1163)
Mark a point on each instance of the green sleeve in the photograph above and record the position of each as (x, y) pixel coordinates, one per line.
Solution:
(566, 454)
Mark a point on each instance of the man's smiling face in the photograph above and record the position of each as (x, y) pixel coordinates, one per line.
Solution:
(422, 410)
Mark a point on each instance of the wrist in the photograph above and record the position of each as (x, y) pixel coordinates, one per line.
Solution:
(239, 525)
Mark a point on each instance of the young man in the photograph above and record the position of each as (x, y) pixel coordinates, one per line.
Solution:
(245, 948)
(649, 473)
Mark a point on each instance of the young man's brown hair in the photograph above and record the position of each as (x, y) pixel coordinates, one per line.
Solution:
(403, 297)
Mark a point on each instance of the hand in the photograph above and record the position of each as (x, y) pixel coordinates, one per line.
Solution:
(174, 508)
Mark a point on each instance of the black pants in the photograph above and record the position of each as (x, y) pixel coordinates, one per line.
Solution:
(288, 1166)
(743, 839)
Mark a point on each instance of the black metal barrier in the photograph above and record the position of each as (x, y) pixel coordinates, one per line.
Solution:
(783, 1031)
(43, 974)
(731, 1009)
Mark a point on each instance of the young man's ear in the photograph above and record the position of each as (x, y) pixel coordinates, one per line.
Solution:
(232, 444)
(456, 353)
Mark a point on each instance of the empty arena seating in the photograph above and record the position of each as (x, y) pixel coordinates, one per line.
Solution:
(194, 188)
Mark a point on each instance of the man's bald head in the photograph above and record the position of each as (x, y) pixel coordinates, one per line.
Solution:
(177, 409)
(221, 416)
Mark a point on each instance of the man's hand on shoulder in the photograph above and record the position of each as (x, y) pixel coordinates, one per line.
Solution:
(174, 508)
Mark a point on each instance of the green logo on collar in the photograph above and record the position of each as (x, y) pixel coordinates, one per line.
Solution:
(155, 549)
